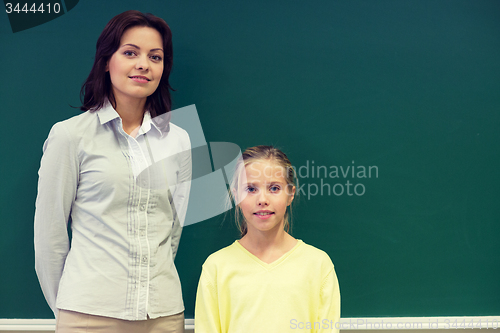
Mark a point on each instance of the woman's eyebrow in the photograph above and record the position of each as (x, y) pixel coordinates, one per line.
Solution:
(133, 45)
(137, 47)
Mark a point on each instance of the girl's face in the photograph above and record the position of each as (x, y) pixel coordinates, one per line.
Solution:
(136, 67)
(264, 196)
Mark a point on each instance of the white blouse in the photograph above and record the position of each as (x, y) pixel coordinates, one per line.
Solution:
(126, 198)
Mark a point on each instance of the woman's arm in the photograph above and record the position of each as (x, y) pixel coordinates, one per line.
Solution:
(57, 184)
(181, 194)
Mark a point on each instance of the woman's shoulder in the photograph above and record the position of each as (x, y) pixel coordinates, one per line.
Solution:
(179, 132)
(72, 128)
(76, 124)
(177, 129)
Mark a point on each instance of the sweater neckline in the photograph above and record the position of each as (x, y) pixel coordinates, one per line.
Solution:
(274, 263)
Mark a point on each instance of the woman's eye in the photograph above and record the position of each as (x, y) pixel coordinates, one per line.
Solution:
(129, 53)
(156, 58)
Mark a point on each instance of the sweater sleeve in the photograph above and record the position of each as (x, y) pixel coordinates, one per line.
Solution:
(330, 304)
(206, 315)
(57, 184)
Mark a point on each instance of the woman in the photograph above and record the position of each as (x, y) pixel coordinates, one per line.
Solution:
(120, 172)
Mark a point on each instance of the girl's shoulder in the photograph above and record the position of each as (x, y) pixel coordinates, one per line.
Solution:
(235, 254)
(314, 256)
(224, 255)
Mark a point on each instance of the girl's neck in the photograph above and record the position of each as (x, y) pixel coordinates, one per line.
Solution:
(267, 246)
(131, 113)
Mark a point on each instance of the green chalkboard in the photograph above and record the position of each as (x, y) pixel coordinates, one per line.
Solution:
(403, 93)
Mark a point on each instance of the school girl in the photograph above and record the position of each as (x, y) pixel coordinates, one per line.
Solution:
(267, 281)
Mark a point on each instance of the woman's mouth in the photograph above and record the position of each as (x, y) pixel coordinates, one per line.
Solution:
(140, 79)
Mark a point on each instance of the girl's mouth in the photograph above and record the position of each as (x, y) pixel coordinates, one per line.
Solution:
(263, 215)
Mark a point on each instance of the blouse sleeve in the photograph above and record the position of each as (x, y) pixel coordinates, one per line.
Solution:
(206, 314)
(57, 184)
(181, 194)
(330, 303)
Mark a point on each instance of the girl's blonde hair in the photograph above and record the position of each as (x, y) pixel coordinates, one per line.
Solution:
(252, 155)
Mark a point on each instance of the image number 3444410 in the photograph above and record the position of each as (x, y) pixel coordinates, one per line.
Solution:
(26, 15)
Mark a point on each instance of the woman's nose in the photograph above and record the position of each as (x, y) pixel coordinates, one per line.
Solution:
(142, 64)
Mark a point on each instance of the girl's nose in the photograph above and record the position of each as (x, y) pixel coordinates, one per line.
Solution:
(262, 199)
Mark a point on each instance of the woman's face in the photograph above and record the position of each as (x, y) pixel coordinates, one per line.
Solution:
(136, 67)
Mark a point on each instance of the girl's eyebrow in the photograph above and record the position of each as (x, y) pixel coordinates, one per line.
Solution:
(137, 47)
(270, 183)
(275, 182)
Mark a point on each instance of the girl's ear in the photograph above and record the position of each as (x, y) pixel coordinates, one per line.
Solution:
(235, 195)
(238, 196)
(291, 195)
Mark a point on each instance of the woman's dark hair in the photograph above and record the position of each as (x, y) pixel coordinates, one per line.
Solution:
(97, 87)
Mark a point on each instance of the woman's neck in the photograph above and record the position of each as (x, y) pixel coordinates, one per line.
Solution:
(131, 113)
(268, 246)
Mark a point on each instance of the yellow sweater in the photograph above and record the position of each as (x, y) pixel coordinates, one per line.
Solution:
(239, 293)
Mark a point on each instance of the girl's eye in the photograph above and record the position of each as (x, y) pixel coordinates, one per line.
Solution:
(251, 189)
(129, 53)
(275, 188)
(156, 58)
